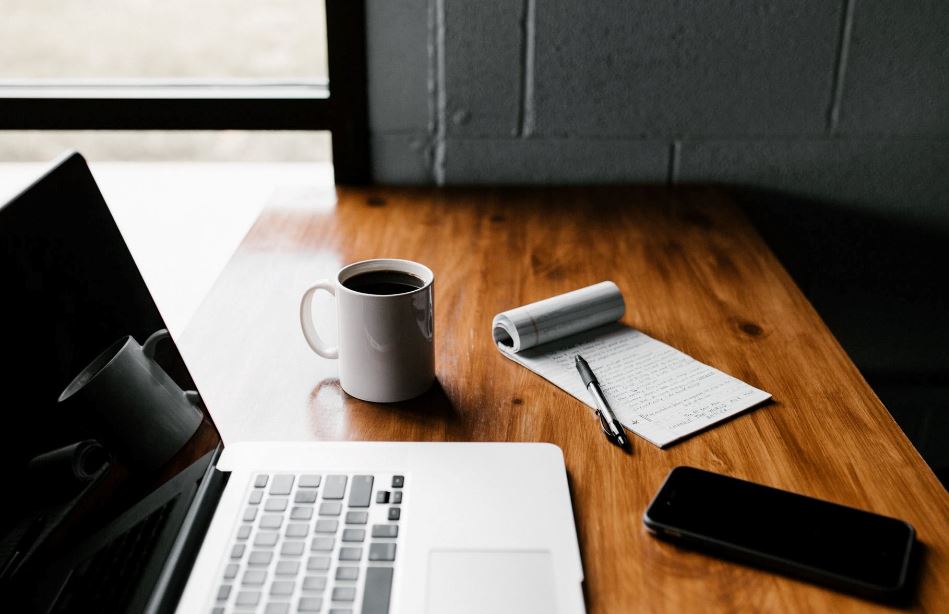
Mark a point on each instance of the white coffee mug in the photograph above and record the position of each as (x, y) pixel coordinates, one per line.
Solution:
(386, 345)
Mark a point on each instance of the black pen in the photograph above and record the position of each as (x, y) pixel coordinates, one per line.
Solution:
(608, 422)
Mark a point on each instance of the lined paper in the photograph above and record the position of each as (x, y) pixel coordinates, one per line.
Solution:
(656, 391)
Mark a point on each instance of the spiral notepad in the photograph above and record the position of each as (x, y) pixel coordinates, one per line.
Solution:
(656, 391)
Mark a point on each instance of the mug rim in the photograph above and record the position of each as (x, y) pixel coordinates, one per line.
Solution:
(410, 267)
(94, 367)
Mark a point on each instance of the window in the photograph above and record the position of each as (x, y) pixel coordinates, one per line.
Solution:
(289, 67)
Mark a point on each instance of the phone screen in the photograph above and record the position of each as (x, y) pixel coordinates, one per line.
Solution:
(781, 527)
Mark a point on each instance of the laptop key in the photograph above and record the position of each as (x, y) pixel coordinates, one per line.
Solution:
(331, 508)
(305, 496)
(224, 592)
(354, 535)
(385, 530)
(357, 517)
(250, 514)
(256, 496)
(281, 485)
(297, 529)
(277, 608)
(276, 504)
(293, 548)
(243, 532)
(314, 583)
(382, 496)
(397, 496)
(377, 590)
(261, 480)
(344, 593)
(335, 487)
(394, 513)
(230, 572)
(323, 544)
(301, 513)
(260, 558)
(282, 588)
(347, 573)
(309, 604)
(360, 493)
(248, 598)
(265, 539)
(340, 611)
(318, 563)
(382, 551)
(327, 525)
(398, 481)
(287, 568)
(350, 554)
(237, 551)
(309, 481)
(271, 521)
(254, 577)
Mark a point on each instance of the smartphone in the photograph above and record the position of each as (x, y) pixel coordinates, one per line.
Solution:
(841, 547)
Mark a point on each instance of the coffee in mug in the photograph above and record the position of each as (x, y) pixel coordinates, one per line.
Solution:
(384, 282)
(385, 315)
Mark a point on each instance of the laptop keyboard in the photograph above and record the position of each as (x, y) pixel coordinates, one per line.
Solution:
(315, 544)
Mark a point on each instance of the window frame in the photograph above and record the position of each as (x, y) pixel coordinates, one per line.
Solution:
(338, 105)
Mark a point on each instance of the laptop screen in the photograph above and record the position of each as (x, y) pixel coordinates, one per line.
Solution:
(99, 410)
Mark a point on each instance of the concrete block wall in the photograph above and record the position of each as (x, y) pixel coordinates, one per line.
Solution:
(845, 101)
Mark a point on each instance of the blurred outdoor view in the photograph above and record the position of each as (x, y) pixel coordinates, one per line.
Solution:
(199, 41)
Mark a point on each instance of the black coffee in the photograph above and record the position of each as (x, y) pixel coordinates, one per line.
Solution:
(383, 282)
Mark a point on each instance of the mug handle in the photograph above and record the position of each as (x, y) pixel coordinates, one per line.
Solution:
(306, 320)
(148, 348)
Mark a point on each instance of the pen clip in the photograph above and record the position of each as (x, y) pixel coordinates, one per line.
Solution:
(605, 426)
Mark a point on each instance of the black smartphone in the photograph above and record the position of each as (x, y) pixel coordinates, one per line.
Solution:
(835, 545)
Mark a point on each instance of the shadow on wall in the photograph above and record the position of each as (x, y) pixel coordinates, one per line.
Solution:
(881, 286)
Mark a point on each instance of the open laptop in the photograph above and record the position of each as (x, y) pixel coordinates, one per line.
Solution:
(101, 515)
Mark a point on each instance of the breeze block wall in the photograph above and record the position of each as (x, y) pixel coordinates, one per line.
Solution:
(845, 101)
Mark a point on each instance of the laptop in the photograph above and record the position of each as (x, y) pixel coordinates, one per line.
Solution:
(119, 495)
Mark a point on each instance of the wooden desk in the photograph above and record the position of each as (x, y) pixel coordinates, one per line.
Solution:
(695, 274)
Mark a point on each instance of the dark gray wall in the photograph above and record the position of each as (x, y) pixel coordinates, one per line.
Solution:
(843, 100)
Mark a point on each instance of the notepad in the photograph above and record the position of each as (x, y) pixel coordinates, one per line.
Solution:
(656, 391)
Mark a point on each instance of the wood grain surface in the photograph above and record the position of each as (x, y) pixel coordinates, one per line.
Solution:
(695, 275)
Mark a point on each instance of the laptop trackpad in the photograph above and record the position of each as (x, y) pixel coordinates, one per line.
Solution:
(495, 581)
